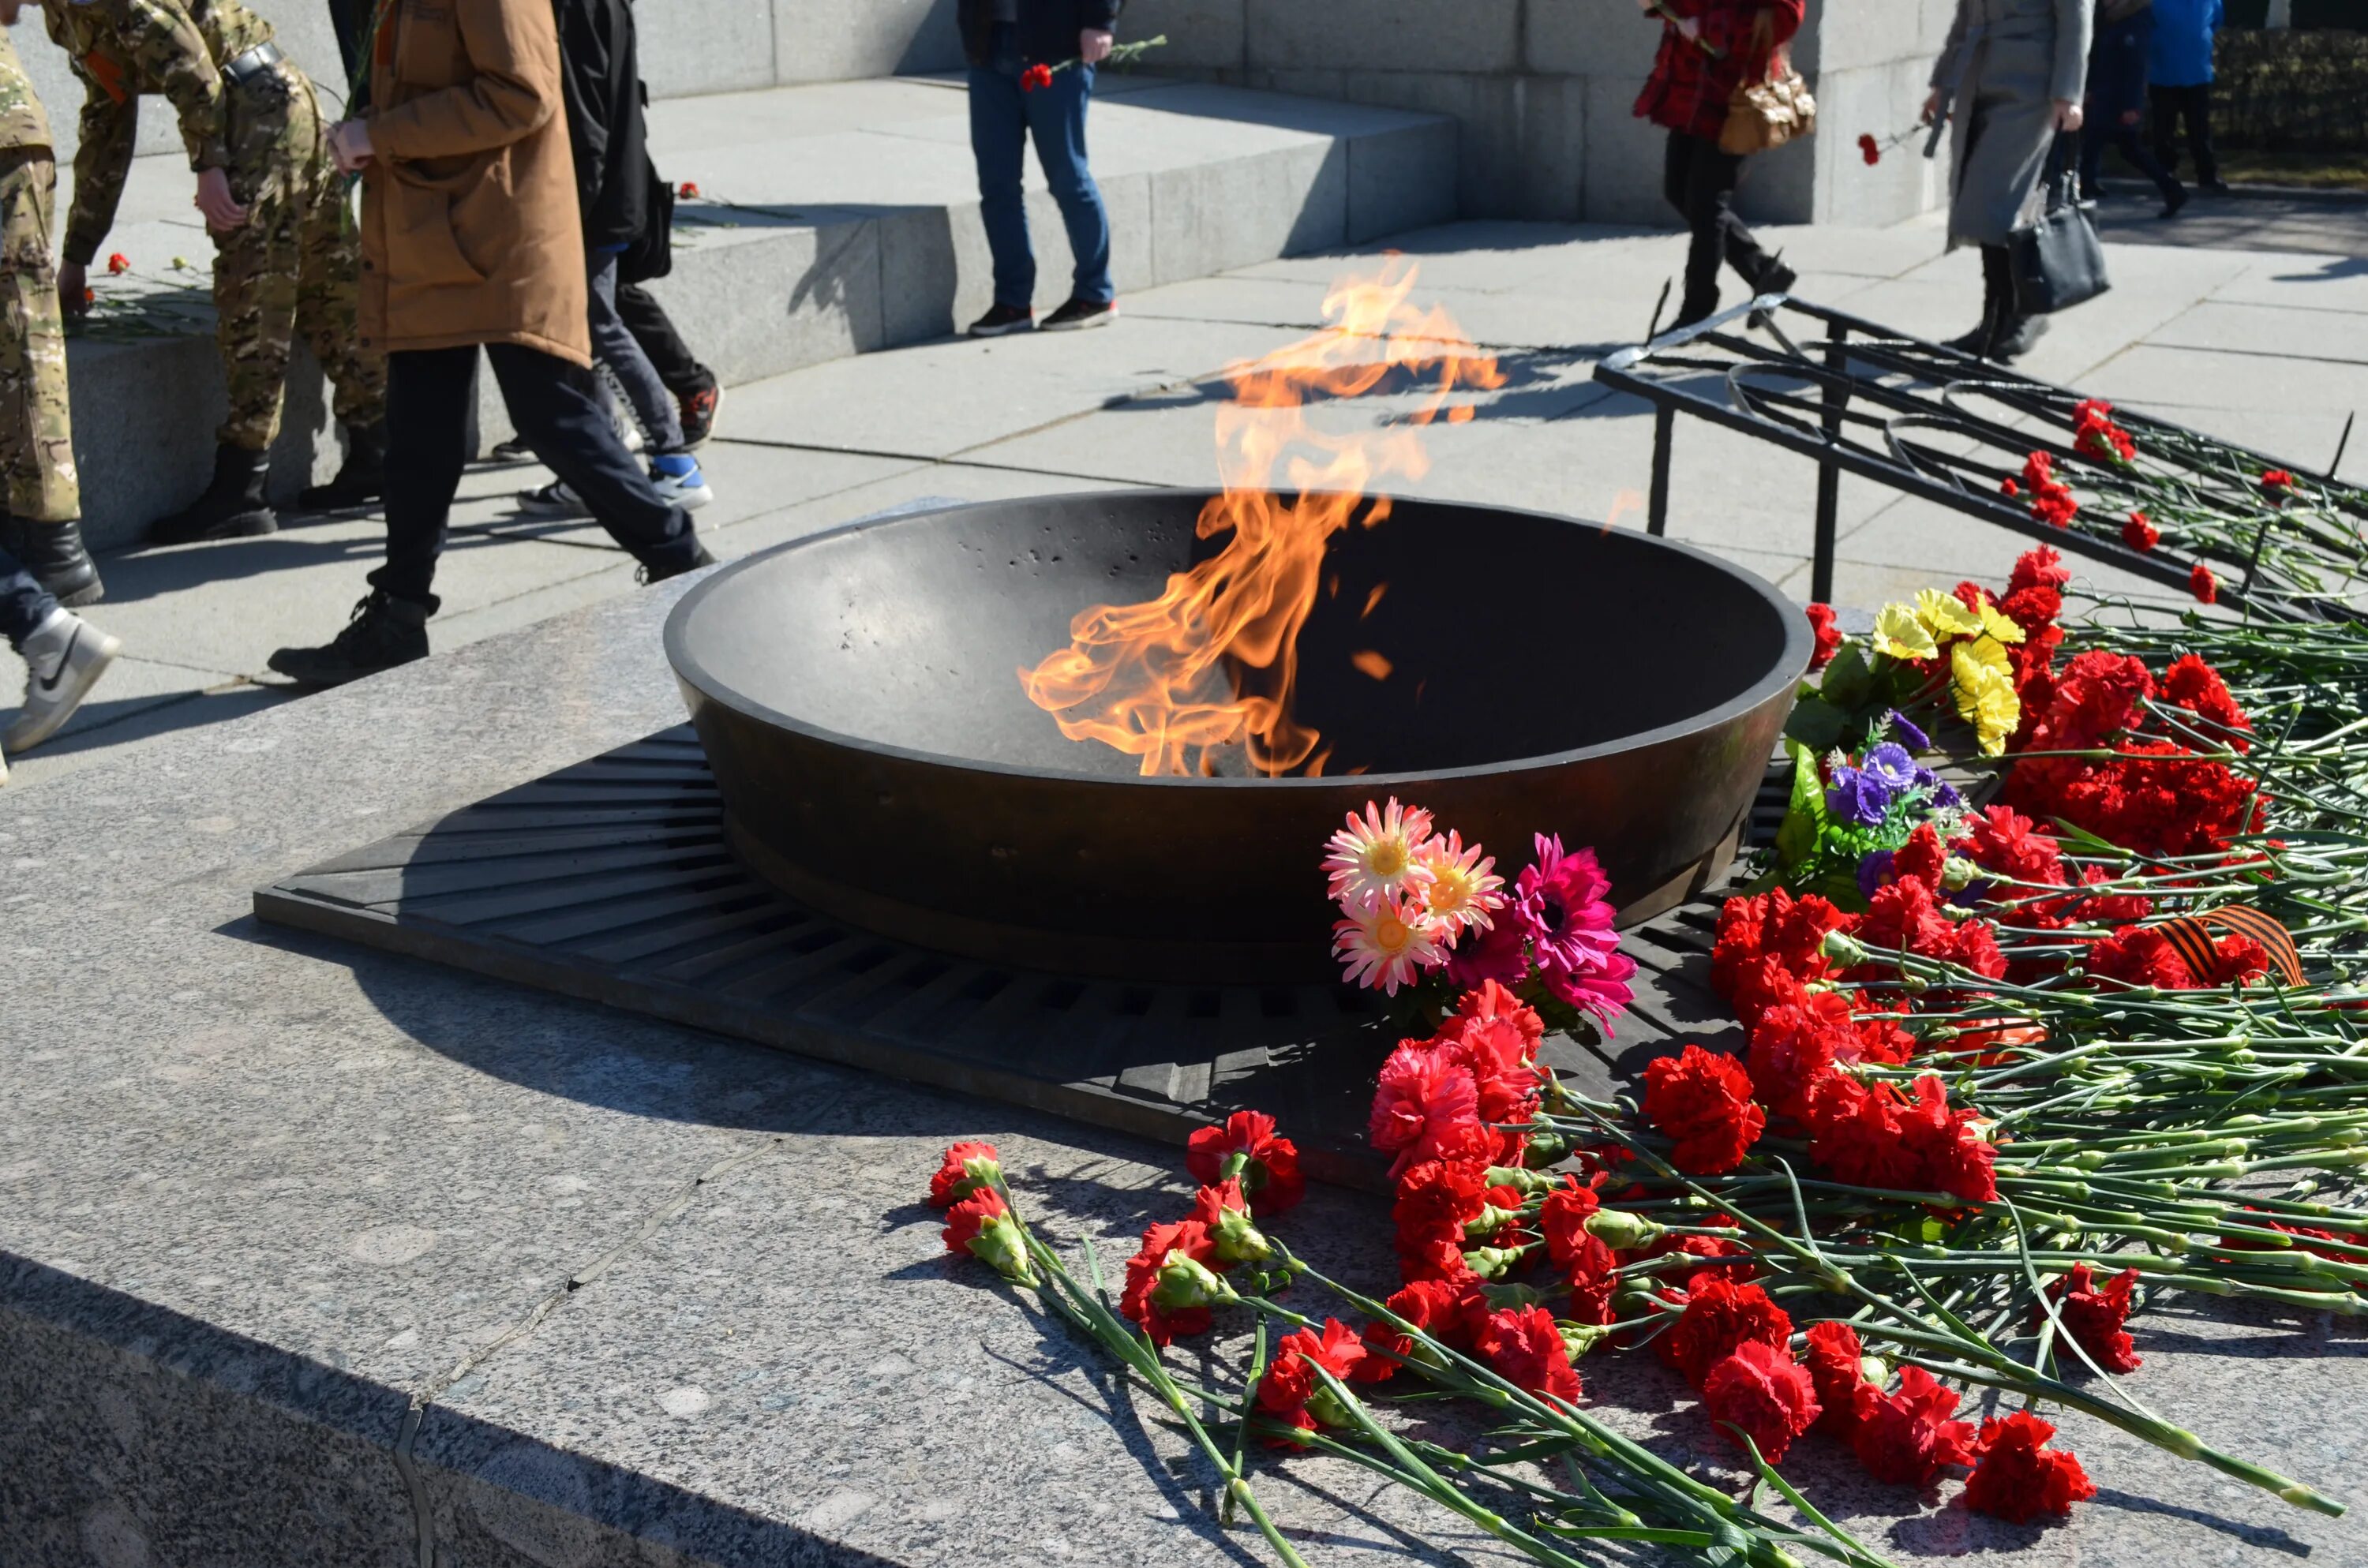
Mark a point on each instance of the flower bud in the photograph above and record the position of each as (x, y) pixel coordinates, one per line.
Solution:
(1186, 1283)
(1519, 1178)
(1957, 873)
(1843, 949)
(1001, 1247)
(1489, 1262)
(1512, 1298)
(1874, 1369)
(1488, 1221)
(1636, 1301)
(1238, 1239)
(1623, 1231)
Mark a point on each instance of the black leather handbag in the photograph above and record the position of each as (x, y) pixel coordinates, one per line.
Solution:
(2058, 261)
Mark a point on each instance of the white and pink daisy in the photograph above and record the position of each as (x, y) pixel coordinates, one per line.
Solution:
(1376, 860)
(1386, 948)
(1465, 890)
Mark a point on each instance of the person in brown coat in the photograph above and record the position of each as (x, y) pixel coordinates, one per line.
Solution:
(471, 238)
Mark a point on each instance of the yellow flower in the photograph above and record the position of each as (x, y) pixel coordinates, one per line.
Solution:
(1984, 679)
(1946, 614)
(1899, 633)
(1999, 626)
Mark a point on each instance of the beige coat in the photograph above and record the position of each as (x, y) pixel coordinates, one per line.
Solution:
(470, 227)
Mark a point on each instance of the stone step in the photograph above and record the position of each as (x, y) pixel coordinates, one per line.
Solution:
(831, 219)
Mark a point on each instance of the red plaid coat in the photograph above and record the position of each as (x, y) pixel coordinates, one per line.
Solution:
(1688, 89)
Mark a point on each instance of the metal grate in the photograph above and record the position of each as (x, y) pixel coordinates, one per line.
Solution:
(610, 881)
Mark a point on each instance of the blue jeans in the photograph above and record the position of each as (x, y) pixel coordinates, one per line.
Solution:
(1003, 119)
(24, 603)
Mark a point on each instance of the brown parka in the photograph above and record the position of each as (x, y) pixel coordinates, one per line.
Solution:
(470, 227)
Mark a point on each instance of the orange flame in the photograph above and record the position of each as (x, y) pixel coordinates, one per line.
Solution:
(1211, 664)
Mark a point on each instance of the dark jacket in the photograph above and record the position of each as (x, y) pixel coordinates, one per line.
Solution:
(601, 74)
(1048, 28)
(2117, 66)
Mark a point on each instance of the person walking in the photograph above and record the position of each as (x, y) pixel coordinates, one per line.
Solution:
(1016, 95)
(471, 239)
(1708, 48)
(2008, 84)
(2179, 74)
(42, 528)
(2115, 106)
(698, 394)
(284, 253)
(64, 655)
(615, 191)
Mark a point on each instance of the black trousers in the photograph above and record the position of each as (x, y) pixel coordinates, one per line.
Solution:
(558, 408)
(677, 365)
(1698, 179)
(2095, 137)
(2171, 104)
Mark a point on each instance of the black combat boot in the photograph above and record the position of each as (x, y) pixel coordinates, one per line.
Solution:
(53, 553)
(384, 632)
(360, 478)
(232, 506)
(1998, 301)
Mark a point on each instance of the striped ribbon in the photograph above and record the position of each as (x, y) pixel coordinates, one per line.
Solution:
(2190, 937)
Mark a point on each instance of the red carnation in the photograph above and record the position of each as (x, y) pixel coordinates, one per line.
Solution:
(2093, 1315)
(2018, 1477)
(1435, 1200)
(1161, 1320)
(981, 1226)
(1907, 1437)
(1247, 1146)
(1772, 926)
(2277, 484)
(1593, 1272)
(2039, 567)
(1868, 149)
(1289, 1384)
(1710, 1249)
(964, 1169)
(119, 263)
(2009, 488)
(1496, 1051)
(1794, 1045)
(1448, 1311)
(1703, 1101)
(688, 190)
(2140, 534)
(1525, 1348)
(1827, 632)
(2192, 684)
(1562, 1217)
(1426, 1108)
(1857, 1134)
(1837, 1365)
(1035, 76)
(2203, 584)
(1950, 1155)
(1762, 1390)
(1718, 1317)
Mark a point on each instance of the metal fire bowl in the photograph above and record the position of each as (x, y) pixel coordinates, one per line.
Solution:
(858, 698)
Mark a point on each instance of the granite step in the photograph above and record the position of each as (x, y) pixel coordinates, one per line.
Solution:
(829, 220)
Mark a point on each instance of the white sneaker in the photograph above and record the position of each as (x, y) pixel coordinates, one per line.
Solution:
(63, 657)
(553, 500)
(689, 490)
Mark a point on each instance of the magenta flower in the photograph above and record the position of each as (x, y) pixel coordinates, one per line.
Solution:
(1559, 905)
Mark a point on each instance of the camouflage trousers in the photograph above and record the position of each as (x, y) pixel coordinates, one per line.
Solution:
(292, 269)
(36, 425)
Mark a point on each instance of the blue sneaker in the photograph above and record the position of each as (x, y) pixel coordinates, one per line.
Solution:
(678, 479)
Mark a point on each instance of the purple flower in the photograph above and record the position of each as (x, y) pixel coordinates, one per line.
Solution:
(1897, 723)
(1874, 873)
(1858, 795)
(1559, 905)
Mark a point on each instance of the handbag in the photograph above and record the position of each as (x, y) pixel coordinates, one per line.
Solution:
(2058, 262)
(1766, 112)
(652, 253)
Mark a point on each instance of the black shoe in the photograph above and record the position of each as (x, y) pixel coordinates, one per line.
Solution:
(1775, 277)
(53, 553)
(2173, 202)
(361, 478)
(1079, 313)
(698, 409)
(650, 576)
(1997, 303)
(384, 632)
(2016, 334)
(1003, 319)
(232, 506)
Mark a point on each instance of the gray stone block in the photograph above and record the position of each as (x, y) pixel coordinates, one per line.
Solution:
(1623, 165)
(1881, 101)
(705, 46)
(1401, 179)
(1212, 218)
(1420, 36)
(1610, 39)
(1552, 133)
(1201, 34)
(846, 39)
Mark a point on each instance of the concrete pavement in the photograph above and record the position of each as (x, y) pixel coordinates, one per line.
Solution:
(2269, 347)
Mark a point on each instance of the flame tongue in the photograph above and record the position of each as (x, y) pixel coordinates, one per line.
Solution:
(1208, 668)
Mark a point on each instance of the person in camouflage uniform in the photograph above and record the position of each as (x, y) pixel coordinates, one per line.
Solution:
(64, 655)
(287, 253)
(42, 525)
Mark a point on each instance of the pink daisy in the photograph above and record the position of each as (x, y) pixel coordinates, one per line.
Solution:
(1376, 860)
(1385, 948)
(1464, 890)
(1559, 904)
